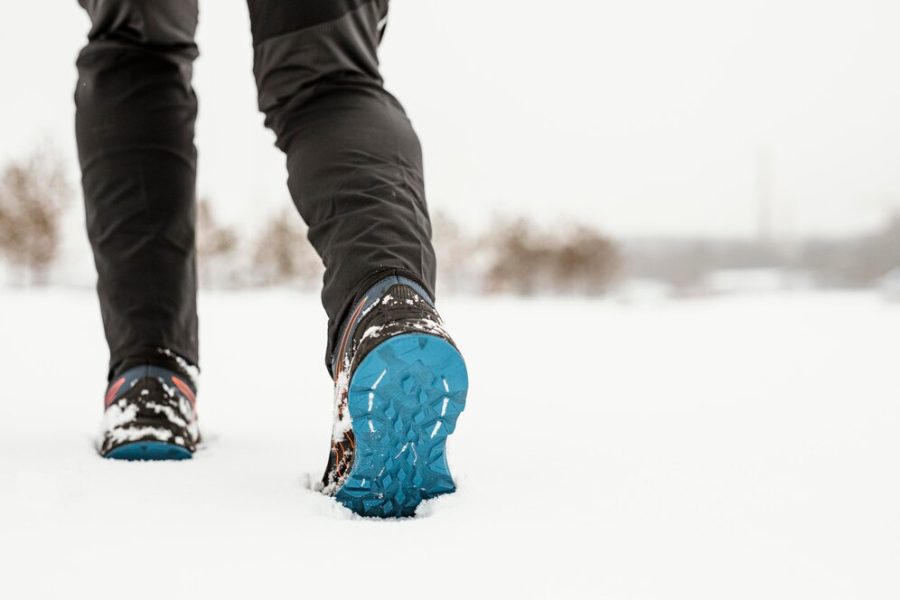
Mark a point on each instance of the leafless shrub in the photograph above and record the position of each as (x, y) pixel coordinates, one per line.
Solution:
(584, 261)
(526, 260)
(216, 247)
(33, 195)
(283, 255)
(459, 261)
(213, 239)
(518, 258)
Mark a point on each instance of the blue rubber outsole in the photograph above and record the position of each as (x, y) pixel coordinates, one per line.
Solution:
(149, 450)
(404, 399)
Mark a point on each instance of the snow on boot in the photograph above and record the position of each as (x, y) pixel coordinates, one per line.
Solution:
(400, 384)
(149, 416)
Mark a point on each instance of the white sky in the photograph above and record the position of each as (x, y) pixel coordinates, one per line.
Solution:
(643, 117)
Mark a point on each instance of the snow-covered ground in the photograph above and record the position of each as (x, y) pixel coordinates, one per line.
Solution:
(744, 447)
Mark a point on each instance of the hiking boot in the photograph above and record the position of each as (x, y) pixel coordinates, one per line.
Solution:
(150, 415)
(399, 385)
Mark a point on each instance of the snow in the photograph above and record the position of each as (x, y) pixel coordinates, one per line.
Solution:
(736, 447)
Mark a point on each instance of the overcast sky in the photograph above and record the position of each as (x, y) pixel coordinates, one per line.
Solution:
(643, 117)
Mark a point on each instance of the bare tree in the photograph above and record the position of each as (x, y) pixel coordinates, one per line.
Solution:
(584, 261)
(213, 239)
(33, 195)
(283, 255)
(458, 259)
(216, 246)
(526, 260)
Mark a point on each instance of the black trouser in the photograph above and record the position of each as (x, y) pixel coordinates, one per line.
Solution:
(354, 162)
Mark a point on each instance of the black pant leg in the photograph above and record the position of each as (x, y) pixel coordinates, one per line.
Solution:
(135, 113)
(354, 161)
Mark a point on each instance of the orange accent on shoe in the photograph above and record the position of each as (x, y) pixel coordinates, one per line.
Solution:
(185, 389)
(112, 391)
(342, 347)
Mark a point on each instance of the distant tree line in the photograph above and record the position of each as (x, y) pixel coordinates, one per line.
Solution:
(857, 261)
(511, 256)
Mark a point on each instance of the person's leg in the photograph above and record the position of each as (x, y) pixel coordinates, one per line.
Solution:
(135, 128)
(355, 173)
(354, 161)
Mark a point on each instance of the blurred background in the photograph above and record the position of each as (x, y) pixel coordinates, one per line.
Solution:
(635, 149)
